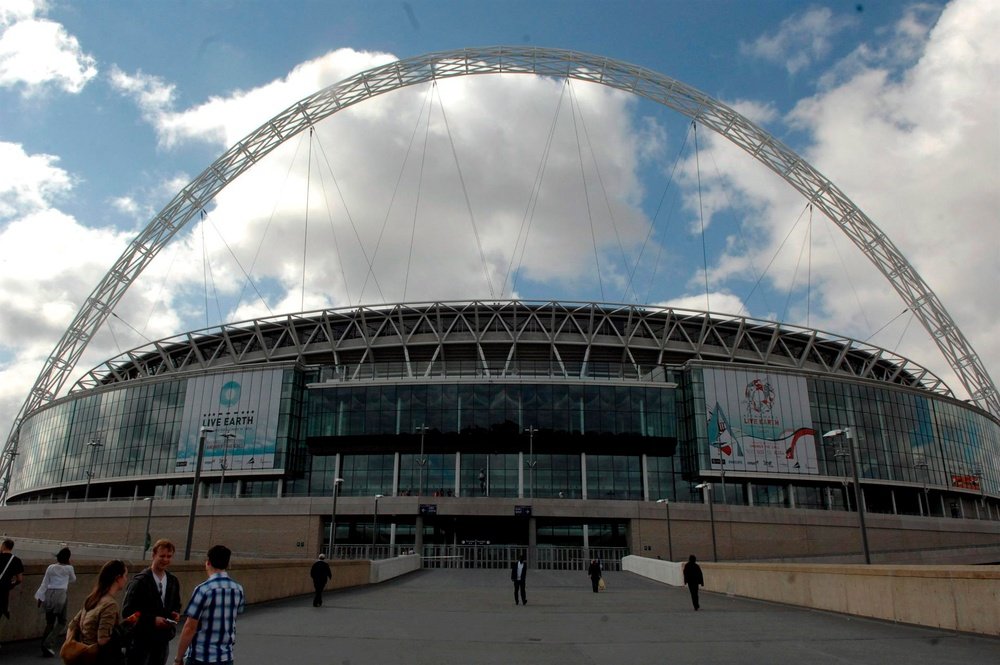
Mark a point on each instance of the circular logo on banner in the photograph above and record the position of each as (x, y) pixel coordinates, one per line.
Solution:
(230, 393)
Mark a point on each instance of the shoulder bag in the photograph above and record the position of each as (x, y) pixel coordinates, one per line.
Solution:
(75, 652)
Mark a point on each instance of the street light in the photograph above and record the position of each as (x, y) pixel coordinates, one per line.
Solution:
(194, 493)
(847, 433)
(149, 518)
(94, 445)
(711, 516)
(920, 462)
(670, 538)
(225, 451)
(333, 516)
(531, 458)
(422, 460)
(375, 524)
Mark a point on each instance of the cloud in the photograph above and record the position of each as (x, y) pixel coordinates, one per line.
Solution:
(36, 53)
(28, 182)
(374, 186)
(801, 40)
(913, 143)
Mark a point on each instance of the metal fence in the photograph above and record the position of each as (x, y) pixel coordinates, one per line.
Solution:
(492, 556)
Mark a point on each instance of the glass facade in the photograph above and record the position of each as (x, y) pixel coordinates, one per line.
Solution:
(593, 439)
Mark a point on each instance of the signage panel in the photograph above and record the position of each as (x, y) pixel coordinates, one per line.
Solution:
(759, 421)
(242, 410)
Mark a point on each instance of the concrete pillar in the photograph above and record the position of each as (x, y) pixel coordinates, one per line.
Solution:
(644, 465)
(532, 542)
(520, 475)
(458, 473)
(892, 495)
(418, 536)
(583, 484)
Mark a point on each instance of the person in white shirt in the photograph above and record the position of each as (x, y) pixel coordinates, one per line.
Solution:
(51, 596)
(519, 575)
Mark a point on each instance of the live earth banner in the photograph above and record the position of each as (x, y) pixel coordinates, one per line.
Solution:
(242, 409)
(759, 422)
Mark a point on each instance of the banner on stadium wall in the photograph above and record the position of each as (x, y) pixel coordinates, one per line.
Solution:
(242, 410)
(760, 422)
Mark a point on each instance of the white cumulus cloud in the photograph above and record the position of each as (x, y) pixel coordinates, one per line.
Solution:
(36, 53)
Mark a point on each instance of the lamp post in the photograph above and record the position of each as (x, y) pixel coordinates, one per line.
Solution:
(711, 516)
(94, 445)
(375, 524)
(670, 538)
(422, 460)
(194, 490)
(920, 462)
(333, 516)
(847, 433)
(531, 459)
(225, 451)
(149, 518)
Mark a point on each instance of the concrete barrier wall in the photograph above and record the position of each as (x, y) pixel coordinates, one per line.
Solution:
(962, 598)
(262, 581)
(386, 569)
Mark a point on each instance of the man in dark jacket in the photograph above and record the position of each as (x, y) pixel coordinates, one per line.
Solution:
(519, 575)
(156, 594)
(320, 573)
(693, 578)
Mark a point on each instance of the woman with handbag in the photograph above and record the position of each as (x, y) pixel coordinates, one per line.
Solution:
(99, 623)
(51, 596)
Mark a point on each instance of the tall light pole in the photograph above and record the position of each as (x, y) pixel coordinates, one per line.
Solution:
(149, 518)
(711, 516)
(333, 517)
(422, 460)
(848, 433)
(670, 538)
(225, 451)
(94, 445)
(375, 524)
(920, 462)
(195, 489)
(531, 459)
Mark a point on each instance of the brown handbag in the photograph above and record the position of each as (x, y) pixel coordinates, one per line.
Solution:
(75, 652)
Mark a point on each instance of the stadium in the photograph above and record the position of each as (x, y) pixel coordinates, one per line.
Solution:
(466, 429)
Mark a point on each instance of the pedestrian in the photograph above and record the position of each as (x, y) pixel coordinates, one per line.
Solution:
(100, 622)
(11, 574)
(694, 579)
(156, 594)
(51, 597)
(519, 575)
(320, 573)
(595, 574)
(209, 631)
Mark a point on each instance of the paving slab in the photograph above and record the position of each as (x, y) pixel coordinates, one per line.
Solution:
(468, 617)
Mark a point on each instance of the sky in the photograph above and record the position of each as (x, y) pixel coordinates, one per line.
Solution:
(496, 186)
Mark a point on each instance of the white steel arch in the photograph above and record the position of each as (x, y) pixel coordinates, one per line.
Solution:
(705, 110)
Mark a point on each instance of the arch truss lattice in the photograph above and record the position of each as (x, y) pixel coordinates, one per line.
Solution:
(700, 107)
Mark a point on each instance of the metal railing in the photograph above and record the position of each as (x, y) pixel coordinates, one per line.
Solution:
(542, 557)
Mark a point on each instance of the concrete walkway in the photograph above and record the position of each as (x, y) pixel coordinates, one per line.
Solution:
(468, 617)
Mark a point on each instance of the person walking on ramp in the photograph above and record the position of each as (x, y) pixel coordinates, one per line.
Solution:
(693, 578)
(320, 573)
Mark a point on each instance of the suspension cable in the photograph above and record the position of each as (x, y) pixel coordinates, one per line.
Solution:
(795, 274)
(416, 205)
(388, 210)
(701, 215)
(465, 194)
(329, 214)
(529, 209)
(600, 179)
(305, 230)
(586, 197)
(652, 226)
(776, 252)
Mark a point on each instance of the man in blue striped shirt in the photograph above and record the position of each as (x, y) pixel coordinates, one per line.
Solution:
(210, 628)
